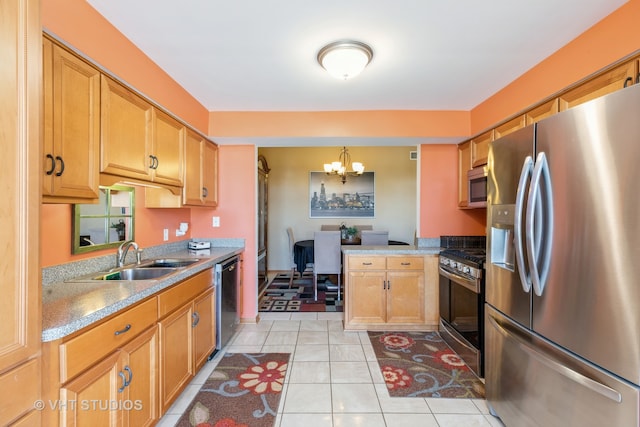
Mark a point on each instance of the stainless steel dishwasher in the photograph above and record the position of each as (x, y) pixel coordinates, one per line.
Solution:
(227, 282)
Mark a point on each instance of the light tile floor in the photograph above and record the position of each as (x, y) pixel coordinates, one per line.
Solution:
(334, 379)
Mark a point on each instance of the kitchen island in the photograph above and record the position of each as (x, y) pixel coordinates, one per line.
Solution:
(391, 288)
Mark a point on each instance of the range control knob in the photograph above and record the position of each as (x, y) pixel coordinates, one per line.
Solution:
(453, 264)
(466, 270)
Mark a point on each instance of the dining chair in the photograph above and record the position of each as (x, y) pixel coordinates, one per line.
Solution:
(374, 237)
(327, 257)
(292, 262)
(362, 227)
(329, 227)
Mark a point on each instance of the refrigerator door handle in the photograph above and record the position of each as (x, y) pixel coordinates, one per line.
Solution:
(565, 371)
(525, 277)
(539, 203)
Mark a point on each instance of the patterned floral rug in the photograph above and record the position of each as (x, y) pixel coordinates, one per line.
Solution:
(279, 296)
(244, 390)
(421, 364)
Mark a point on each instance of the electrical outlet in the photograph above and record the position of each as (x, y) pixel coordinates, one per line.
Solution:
(165, 234)
(216, 221)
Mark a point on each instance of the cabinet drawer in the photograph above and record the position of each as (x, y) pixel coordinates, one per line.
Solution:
(405, 263)
(84, 350)
(184, 292)
(367, 262)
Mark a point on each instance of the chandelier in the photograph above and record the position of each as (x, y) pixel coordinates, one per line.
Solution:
(340, 167)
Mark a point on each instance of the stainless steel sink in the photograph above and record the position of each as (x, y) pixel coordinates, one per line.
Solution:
(169, 263)
(136, 273)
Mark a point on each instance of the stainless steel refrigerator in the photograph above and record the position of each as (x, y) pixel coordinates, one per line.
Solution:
(562, 318)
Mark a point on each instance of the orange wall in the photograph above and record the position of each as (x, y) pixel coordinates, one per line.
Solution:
(55, 226)
(611, 39)
(237, 206)
(82, 27)
(439, 213)
(340, 123)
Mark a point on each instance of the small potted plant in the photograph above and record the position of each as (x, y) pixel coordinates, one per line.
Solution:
(351, 233)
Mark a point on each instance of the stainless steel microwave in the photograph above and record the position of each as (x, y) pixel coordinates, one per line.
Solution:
(477, 187)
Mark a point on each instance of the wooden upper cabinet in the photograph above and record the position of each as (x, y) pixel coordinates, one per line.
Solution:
(542, 111)
(126, 121)
(480, 149)
(168, 148)
(464, 165)
(210, 174)
(201, 175)
(607, 82)
(506, 128)
(71, 127)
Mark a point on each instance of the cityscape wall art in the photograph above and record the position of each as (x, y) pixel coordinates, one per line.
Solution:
(330, 198)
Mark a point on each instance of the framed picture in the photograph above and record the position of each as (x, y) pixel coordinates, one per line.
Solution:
(330, 198)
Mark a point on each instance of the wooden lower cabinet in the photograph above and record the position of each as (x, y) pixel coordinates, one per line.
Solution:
(389, 292)
(176, 354)
(98, 377)
(204, 329)
(119, 390)
(187, 333)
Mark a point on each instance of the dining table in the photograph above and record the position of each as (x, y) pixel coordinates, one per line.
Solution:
(303, 251)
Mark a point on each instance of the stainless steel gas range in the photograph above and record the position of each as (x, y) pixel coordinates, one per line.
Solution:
(462, 297)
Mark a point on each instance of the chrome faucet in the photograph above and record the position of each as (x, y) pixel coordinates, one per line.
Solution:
(124, 248)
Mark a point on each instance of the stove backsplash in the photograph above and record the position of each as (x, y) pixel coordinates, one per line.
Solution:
(463, 242)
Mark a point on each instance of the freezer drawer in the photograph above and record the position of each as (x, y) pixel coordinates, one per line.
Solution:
(532, 382)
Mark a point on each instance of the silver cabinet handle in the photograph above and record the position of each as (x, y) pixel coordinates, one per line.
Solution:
(196, 319)
(124, 382)
(130, 372)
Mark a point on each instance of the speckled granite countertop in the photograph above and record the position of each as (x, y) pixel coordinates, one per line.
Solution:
(70, 304)
(390, 250)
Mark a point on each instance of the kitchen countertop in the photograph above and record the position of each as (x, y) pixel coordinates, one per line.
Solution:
(391, 250)
(71, 305)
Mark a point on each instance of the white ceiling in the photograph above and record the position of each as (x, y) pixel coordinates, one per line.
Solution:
(244, 55)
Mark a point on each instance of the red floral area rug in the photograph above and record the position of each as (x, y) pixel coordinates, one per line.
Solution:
(421, 364)
(244, 390)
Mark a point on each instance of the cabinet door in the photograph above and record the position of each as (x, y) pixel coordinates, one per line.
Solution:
(192, 191)
(85, 400)
(505, 129)
(542, 111)
(210, 173)
(405, 297)
(72, 125)
(464, 165)
(125, 132)
(176, 354)
(168, 149)
(480, 149)
(366, 297)
(141, 369)
(605, 83)
(20, 163)
(204, 327)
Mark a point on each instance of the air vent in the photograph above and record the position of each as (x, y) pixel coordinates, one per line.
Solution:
(413, 155)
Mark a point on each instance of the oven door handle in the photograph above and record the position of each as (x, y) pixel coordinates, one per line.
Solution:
(461, 280)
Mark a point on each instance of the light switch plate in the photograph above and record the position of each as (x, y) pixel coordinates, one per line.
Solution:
(216, 221)
(165, 234)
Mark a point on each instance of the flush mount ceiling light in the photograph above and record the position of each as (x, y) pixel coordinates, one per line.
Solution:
(345, 59)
